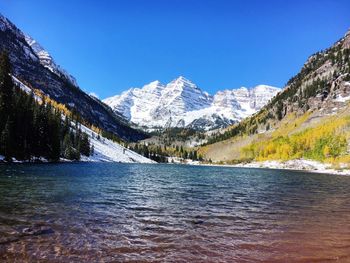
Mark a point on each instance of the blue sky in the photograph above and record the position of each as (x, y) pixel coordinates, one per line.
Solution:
(110, 46)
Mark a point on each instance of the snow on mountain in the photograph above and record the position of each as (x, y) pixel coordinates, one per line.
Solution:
(181, 103)
(47, 61)
(105, 150)
(35, 51)
(34, 65)
(108, 151)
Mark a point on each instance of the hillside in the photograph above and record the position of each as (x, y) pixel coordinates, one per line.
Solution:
(309, 119)
(33, 128)
(34, 66)
(182, 104)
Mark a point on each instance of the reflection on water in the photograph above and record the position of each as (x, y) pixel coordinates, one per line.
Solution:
(149, 213)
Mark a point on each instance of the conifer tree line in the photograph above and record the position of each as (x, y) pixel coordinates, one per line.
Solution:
(30, 130)
(153, 153)
(160, 154)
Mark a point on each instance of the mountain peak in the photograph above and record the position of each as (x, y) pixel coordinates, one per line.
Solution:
(182, 79)
(181, 83)
(265, 88)
(154, 86)
(155, 83)
(181, 103)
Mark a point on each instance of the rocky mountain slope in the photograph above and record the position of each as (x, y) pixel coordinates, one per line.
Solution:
(181, 103)
(48, 62)
(309, 119)
(94, 148)
(34, 66)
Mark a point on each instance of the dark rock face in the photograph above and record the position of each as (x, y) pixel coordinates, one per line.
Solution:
(27, 68)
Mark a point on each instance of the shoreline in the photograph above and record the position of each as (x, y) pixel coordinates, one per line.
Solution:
(293, 165)
(301, 165)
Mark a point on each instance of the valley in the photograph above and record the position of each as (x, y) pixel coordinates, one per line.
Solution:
(306, 120)
(174, 131)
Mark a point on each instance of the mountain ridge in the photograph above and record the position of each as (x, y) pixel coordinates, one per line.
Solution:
(47, 61)
(34, 66)
(308, 119)
(181, 103)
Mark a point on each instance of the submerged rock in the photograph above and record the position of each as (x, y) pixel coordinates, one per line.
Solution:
(35, 231)
(198, 222)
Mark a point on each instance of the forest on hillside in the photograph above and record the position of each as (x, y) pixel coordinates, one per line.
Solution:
(32, 129)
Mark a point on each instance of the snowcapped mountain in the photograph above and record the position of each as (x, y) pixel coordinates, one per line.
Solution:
(47, 61)
(105, 150)
(181, 103)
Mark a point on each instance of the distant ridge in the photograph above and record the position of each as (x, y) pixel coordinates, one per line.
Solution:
(181, 103)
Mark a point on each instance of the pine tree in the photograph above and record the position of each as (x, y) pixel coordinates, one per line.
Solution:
(92, 150)
(6, 142)
(85, 145)
(27, 126)
(195, 155)
(6, 89)
(67, 147)
(54, 125)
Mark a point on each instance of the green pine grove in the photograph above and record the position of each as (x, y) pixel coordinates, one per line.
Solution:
(161, 154)
(30, 130)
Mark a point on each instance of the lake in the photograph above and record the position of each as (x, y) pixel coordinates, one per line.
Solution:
(103, 212)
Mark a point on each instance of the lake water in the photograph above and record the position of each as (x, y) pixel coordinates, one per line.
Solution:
(171, 213)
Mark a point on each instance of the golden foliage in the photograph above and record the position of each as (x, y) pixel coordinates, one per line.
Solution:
(326, 140)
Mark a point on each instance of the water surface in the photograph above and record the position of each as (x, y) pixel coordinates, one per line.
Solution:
(171, 213)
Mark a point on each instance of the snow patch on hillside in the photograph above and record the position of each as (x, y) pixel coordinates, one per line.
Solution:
(108, 151)
(342, 99)
(25, 88)
(104, 150)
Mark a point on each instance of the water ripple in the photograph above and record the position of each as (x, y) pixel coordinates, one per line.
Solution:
(171, 213)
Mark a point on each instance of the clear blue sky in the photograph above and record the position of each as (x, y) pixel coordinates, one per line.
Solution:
(110, 46)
